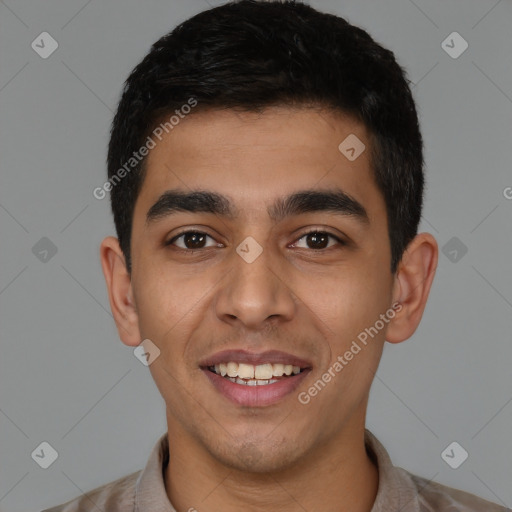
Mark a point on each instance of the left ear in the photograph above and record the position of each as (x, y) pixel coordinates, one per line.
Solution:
(413, 281)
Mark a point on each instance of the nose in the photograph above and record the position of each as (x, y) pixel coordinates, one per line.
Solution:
(254, 293)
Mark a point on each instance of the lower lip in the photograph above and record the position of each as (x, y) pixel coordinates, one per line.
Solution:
(255, 396)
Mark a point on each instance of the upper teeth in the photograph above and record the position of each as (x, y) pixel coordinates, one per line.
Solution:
(260, 372)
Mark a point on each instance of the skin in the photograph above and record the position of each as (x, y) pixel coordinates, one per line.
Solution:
(295, 297)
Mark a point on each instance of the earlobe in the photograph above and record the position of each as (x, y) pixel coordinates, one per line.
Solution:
(412, 286)
(119, 287)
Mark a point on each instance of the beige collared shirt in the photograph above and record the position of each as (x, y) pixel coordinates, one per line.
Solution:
(399, 490)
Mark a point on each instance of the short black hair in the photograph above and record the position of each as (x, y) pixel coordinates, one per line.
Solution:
(248, 55)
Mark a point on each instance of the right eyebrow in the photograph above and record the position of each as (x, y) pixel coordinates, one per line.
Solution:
(173, 201)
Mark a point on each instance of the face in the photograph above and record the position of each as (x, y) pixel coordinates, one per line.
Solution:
(258, 272)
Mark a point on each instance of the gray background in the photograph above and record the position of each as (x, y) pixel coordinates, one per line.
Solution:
(67, 379)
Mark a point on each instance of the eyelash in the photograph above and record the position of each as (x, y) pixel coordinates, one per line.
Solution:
(313, 231)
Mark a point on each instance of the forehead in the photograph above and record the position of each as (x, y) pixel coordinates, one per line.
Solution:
(254, 158)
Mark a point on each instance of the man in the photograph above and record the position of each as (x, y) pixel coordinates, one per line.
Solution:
(266, 177)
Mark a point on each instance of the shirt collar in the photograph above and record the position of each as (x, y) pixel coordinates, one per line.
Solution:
(150, 493)
(396, 491)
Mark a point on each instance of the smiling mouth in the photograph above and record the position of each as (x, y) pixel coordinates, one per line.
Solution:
(259, 375)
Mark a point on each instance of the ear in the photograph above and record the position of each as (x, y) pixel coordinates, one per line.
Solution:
(120, 294)
(411, 288)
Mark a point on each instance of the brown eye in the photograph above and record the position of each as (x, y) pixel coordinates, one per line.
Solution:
(192, 240)
(319, 240)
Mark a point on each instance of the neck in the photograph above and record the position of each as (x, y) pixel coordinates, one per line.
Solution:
(336, 477)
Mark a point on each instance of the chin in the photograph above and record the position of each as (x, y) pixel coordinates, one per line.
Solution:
(257, 457)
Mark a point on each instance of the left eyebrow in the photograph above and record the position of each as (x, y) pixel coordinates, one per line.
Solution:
(334, 201)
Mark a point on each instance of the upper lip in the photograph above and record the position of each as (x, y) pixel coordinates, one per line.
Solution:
(243, 356)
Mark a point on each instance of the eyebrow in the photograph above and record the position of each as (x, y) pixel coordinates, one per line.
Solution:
(200, 201)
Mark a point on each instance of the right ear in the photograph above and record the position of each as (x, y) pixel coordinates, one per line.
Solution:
(120, 292)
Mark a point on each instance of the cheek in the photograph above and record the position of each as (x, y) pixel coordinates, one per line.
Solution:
(347, 302)
(167, 302)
